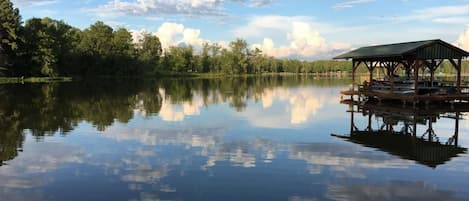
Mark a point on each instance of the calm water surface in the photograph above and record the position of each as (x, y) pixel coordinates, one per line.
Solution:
(217, 140)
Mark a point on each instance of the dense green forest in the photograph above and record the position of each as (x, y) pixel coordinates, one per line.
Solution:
(48, 47)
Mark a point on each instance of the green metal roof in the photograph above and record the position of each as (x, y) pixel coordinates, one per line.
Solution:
(428, 49)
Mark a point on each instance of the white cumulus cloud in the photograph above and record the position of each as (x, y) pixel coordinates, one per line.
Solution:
(463, 40)
(175, 34)
(302, 36)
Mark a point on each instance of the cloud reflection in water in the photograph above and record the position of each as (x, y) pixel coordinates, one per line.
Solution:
(204, 147)
(395, 190)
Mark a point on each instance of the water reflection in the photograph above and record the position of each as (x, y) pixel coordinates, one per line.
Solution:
(45, 109)
(195, 139)
(395, 190)
(396, 131)
(343, 160)
(301, 105)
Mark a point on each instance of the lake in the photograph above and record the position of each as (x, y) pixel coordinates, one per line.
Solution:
(268, 138)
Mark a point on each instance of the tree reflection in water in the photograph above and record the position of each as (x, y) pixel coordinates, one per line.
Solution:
(47, 109)
(183, 139)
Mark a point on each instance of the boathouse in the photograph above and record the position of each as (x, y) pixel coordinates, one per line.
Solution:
(414, 60)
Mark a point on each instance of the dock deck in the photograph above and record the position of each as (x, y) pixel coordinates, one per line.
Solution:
(366, 93)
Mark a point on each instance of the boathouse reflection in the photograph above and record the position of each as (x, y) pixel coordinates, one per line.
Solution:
(397, 132)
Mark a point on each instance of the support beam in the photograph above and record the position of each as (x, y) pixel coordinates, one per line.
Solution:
(370, 128)
(352, 119)
(371, 78)
(457, 66)
(371, 67)
(417, 66)
(406, 128)
(432, 65)
(430, 130)
(458, 83)
(353, 75)
(391, 67)
(355, 65)
(408, 67)
(456, 129)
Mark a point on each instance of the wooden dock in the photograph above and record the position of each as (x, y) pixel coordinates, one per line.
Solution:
(363, 93)
(411, 59)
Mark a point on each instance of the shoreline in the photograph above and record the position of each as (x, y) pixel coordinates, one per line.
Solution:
(6, 80)
(15, 80)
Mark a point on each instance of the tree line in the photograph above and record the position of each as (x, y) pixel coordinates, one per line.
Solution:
(49, 47)
(45, 47)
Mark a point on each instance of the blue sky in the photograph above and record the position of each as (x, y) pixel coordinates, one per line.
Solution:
(308, 29)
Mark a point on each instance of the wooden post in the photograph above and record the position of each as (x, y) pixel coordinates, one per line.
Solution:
(369, 122)
(458, 68)
(414, 129)
(391, 66)
(458, 84)
(432, 72)
(456, 129)
(371, 69)
(430, 130)
(437, 64)
(352, 121)
(406, 128)
(407, 66)
(371, 66)
(353, 75)
(416, 77)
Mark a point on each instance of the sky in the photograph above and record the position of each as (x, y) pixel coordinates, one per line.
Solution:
(303, 29)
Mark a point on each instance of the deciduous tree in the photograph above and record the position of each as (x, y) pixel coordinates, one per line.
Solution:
(10, 22)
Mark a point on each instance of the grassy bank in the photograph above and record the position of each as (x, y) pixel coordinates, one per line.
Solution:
(4, 80)
(159, 75)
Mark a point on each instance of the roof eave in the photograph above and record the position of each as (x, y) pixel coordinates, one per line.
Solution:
(371, 57)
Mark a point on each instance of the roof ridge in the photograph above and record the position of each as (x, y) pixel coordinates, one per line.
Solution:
(421, 41)
(401, 50)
